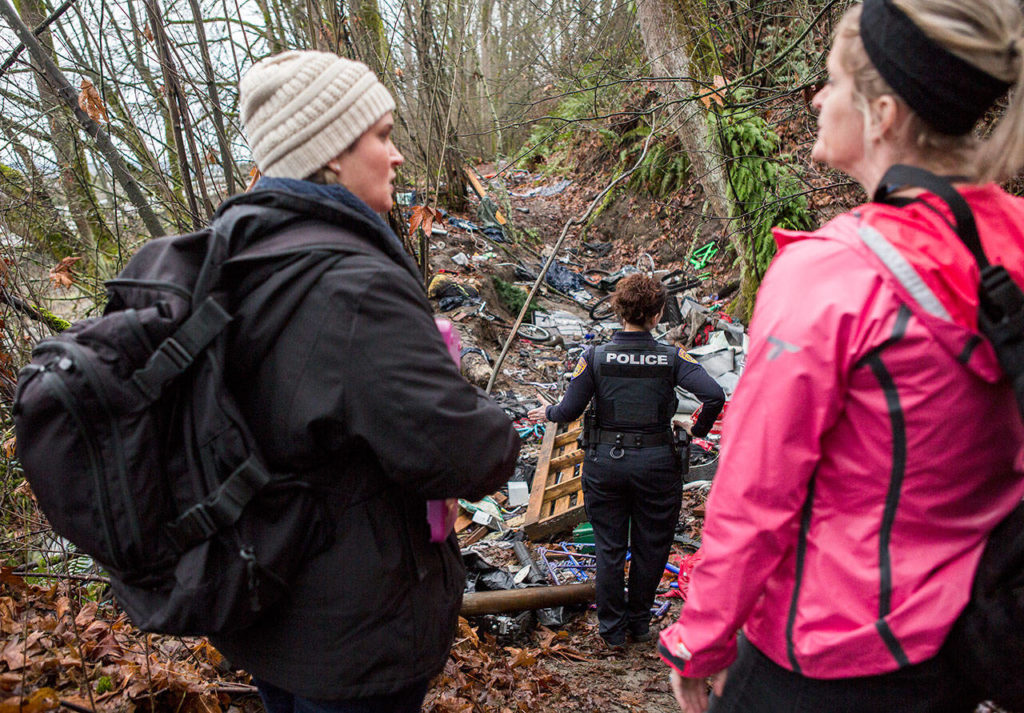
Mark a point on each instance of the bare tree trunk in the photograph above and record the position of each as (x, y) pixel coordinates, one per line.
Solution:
(171, 92)
(667, 38)
(31, 211)
(436, 101)
(369, 43)
(70, 158)
(276, 43)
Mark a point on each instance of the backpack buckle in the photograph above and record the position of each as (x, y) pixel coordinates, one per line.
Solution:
(193, 526)
(176, 353)
(168, 361)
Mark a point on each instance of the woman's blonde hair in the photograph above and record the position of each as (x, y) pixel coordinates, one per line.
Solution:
(988, 34)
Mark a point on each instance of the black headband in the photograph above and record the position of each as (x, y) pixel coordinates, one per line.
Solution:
(948, 93)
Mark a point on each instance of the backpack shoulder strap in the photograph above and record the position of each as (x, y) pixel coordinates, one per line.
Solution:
(1001, 301)
(900, 176)
(178, 351)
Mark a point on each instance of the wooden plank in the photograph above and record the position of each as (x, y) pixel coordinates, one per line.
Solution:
(474, 536)
(566, 487)
(554, 525)
(482, 192)
(569, 437)
(556, 503)
(540, 476)
(564, 461)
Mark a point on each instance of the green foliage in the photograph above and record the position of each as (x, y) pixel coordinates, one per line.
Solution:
(532, 235)
(763, 186)
(104, 684)
(512, 298)
(586, 98)
(664, 170)
(51, 320)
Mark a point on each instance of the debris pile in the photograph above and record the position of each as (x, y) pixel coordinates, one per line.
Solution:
(533, 534)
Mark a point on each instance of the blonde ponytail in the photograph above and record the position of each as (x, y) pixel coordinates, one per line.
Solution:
(990, 35)
(1001, 156)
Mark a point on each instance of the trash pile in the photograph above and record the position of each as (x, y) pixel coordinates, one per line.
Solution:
(531, 573)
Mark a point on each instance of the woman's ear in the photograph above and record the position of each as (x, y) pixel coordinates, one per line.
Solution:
(887, 117)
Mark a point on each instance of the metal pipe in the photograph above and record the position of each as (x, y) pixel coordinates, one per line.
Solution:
(513, 600)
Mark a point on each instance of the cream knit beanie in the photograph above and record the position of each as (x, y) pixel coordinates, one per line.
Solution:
(301, 109)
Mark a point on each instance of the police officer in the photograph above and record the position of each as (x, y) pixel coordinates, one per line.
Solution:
(632, 485)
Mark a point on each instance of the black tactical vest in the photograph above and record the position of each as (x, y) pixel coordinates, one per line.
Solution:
(635, 386)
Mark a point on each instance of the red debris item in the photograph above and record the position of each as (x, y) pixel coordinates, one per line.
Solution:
(682, 583)
(716, 427)
(686, 569)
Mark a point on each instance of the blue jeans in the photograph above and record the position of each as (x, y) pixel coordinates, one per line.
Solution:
(408, 700)
(756, 684)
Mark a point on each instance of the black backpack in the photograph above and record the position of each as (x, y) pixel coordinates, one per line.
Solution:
(986, 643)
(138, 454)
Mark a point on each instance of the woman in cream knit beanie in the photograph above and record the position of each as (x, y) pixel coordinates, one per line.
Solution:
(301, 110)
(339, 369)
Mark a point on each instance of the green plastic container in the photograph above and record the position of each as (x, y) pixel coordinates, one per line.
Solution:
(583, 534)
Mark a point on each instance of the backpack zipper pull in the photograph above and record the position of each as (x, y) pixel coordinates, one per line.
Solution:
(248, 553)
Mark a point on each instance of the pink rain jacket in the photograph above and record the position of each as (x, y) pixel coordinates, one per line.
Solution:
(869, 449)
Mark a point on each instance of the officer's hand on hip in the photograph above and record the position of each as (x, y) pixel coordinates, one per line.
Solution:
(683, 423)
(538, 414)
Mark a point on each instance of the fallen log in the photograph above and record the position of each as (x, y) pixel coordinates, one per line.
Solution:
(513, 600)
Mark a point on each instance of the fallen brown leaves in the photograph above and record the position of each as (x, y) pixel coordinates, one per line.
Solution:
(483, 676)
(59, 648)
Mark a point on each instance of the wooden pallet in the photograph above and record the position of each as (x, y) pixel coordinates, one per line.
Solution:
(556, 495)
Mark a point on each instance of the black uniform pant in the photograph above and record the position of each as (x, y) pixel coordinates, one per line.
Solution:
(633, 502)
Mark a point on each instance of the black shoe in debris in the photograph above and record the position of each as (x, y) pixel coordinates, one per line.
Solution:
(640, 632)
(614, 642)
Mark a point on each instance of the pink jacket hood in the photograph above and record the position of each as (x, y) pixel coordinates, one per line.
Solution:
(864, 461)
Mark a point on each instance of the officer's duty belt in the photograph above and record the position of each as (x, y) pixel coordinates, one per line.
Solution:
(634, 440)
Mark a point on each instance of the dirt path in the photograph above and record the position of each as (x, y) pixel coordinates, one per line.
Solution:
(634, 681)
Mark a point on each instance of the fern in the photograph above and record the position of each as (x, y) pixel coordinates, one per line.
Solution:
(763, 185)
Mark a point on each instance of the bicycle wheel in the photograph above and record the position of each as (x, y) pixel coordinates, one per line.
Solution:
(533, 333)
(602, 309)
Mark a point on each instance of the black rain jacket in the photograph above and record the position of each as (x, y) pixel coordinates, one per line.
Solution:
(337, 363)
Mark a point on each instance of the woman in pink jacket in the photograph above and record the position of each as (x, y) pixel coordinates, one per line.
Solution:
(872, 442)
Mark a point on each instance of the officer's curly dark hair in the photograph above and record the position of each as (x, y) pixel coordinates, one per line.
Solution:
(637, 298)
